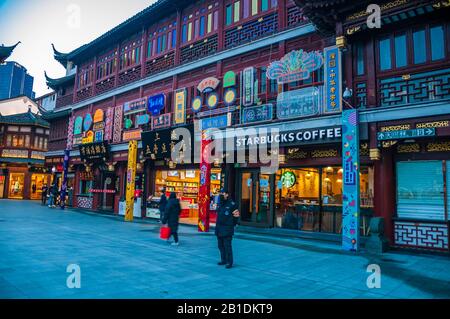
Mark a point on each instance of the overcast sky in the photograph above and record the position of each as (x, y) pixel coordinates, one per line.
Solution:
(39, 23)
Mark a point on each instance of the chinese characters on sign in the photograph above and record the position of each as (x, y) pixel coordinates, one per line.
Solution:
(161, 121)
(248, 80)
(332, 79)
(255, 114)
(94, 151)
(299, 103)
(208, 85)
(135, 106)
(216, 122)
(156, 103)
(180, 106)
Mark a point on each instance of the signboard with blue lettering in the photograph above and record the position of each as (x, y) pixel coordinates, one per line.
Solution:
(300, 103)
(402, 134)
(216, 122)
(255, 114)
(156, 103)
(333, 80)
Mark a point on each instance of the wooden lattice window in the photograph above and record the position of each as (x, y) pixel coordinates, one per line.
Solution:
(85, 75)
(198, 23)
(106, 65)
(130, 52)
(162, 39)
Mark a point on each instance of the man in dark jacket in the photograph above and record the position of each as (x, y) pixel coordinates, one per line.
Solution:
(44, 194)
(162, 204)
(227, 218)
(172, 215)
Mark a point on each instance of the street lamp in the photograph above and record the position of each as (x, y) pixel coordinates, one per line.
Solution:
(347, 95)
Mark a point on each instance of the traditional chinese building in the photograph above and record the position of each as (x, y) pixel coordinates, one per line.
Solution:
(23, 143)
(263, 64)
(6, 51)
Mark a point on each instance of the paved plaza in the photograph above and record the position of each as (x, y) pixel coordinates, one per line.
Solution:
(128, 260)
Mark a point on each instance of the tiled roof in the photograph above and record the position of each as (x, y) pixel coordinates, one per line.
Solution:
(56, 83)
(5, 52)
(27, 118)
(132, 25)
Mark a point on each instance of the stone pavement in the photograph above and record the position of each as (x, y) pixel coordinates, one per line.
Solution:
(128, 260)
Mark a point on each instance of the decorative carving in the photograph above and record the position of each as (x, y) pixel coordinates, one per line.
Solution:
(160, 64)
(438, 146)
(324, 153)
(129, 76)
(199, 49)
(408, 148)
(421, 235)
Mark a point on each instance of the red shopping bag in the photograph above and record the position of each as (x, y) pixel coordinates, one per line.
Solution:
(164, 232)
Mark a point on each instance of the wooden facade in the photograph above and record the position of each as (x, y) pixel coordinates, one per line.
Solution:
(210, 38)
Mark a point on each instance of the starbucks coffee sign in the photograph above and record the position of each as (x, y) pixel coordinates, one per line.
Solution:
(295, 137)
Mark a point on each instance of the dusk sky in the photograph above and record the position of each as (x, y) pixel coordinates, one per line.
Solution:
(39, 23)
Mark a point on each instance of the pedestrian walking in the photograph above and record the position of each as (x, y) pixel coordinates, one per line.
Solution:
(227, 218)
(172, 215)
(162, 204)
(44, 194)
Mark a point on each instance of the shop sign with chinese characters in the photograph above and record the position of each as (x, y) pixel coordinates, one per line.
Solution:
(94, 151)
(161, 121)
(180, 106)
(247, 80)
(256, 114)
(132, 135)
(208, 85)
(333, 80)
(300, 103)
(135, 106)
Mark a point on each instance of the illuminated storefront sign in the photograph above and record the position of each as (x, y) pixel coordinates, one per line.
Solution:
(333, 81)
(299, 103)
(351, 181)
(288, 179)
(131, 175)
(208, 85)
(229, 79)
(142, 119)
(94, 151)
(257, 114)
(248, 85)
(135, 106)
(197, 104)
(156, 104)
(213, 100)
(180, 106)
(216, 122)
(15, 153)
(87, 123)
(98, 136)
(37, 155)
(98, 116)
(217, 111)
(88, 138)
(295, 66)
(132, 135)
(161, 121)
(78, 126)
(229, 96)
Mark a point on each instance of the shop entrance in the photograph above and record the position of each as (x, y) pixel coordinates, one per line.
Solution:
(256, 198)
(2, 185)
(108, 191)
(37, 182)
(16, 183)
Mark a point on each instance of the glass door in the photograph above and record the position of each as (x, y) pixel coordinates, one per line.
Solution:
(256, 202)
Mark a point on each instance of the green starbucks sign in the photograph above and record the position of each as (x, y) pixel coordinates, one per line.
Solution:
(288, 179)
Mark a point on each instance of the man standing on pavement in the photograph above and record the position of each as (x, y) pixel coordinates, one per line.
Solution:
(227, 218)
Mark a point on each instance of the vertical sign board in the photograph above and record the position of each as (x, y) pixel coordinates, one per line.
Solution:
(248, 86)
(350, 163)
(64, 178)
(333, 80)
(180, 106)
(131, 174)
(205, 186)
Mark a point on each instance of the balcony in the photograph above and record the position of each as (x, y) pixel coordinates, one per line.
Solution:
(199, 49)
(415, 88)
(65, 100)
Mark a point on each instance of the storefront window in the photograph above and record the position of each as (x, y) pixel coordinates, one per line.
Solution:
(420, 190)
(85, 187)
(185, 183)
(37, 182)
(310, 199)
(16, 183)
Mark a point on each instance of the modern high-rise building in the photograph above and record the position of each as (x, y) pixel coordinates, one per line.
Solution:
(15, 81)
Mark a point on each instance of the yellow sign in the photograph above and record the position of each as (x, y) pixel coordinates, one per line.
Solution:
(180, 106)
(395, 128)
(98, 116)
(433, 124)
(131, 174)
(89, 138)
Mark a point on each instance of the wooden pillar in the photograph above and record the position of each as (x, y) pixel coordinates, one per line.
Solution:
(94, 80)
(116, 76)
(384, 196)
(144, 50)
(371, 73)
(75, 87)
(282, 14)
(221, 23)
(178, 44)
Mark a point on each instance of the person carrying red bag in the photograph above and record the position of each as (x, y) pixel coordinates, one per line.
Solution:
(172, 216)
